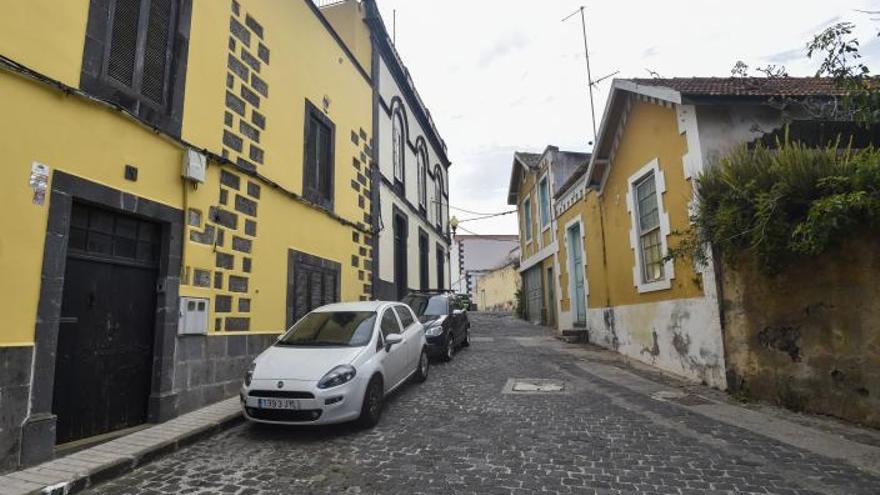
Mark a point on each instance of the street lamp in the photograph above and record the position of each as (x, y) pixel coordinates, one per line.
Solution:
(453, 222)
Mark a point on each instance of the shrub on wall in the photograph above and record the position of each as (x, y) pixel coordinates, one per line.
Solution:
(783, 203)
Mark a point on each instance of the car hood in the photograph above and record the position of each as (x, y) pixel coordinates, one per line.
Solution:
(302, 363)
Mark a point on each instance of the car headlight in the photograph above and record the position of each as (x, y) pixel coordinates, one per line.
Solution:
(337, 376)
(434, 331)
(249, 374)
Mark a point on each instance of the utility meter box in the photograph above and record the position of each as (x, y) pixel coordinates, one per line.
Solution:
(193, 316)
(194, 165)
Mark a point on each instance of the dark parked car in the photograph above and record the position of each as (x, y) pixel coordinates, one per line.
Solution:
(445, 319)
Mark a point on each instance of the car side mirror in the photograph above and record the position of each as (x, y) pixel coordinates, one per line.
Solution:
(456, 312)
(391, 340)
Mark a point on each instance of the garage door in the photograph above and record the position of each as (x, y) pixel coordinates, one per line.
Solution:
(534, 291)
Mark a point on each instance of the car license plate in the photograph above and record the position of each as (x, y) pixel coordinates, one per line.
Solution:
(279, 404)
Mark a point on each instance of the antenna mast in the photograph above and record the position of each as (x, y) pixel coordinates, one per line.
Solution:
(589, 74)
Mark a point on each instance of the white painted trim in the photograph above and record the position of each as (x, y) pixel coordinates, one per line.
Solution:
(543, 177)
(665, 230)
(569, 262)
(659, 92)
(528, 228)
(538, 257)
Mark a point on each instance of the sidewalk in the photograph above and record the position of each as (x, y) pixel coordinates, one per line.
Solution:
(88, 467)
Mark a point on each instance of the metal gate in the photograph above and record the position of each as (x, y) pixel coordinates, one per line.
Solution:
(534, 291)
(103, 369)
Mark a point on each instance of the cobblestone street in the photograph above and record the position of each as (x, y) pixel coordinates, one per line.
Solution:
(461, 433)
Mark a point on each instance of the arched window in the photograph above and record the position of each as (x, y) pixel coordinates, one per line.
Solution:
(438, 194)
(398, 138)
(422, 159)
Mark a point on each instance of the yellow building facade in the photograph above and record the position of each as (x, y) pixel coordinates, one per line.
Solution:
(177, 198)
(616, 221)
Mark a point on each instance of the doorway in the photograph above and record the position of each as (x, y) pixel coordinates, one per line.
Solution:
(551, 299)
(400, 255)
(577, 279)
(103, 370)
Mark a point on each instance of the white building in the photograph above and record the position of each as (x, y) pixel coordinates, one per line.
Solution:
(409, 182)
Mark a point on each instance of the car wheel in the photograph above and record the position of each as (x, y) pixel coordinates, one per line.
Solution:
(449, 351)
(422, 371)
(371, 410)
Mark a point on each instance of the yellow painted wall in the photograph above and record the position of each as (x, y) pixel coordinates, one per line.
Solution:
(651, 132)
(88, 140)
(496, 290)
(81, 138)
(527, 188)
(293, 75)
(45, 35)
(347, 19)
(587, 208)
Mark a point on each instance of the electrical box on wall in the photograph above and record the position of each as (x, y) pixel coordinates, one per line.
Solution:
(194, 165)
(193, 316)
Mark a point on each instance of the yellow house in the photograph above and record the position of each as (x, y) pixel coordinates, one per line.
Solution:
(182, 181)
(616, 219)
(534, 181)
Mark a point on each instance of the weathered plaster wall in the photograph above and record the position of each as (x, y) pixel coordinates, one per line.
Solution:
(809, 338)
(673, 335)
(496, 290)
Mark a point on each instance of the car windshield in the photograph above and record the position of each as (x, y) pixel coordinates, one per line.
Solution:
(336, 329)
(428, 306)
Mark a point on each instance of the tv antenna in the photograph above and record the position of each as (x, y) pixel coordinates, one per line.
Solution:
(590, 81)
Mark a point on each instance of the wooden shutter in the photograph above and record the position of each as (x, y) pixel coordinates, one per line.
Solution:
(156, 50)
(122, 61)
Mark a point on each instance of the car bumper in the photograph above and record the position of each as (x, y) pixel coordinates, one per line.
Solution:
(325, 406)
(436, 346)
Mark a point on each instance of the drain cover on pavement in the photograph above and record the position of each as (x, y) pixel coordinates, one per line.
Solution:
(534, 386)
(482, 339)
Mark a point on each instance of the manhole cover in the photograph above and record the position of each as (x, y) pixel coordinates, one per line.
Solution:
(534, 386)
(482, 339)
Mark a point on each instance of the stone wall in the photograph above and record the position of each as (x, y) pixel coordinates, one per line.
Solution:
(15, 377)
(808, 338)
(211, 368)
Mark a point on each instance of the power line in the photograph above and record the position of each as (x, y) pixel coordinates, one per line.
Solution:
(485, 217)
(475, 212)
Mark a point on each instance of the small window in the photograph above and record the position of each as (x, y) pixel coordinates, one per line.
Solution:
(389, 323)
(527, 219)
(318, 162)
(130, 57)
(423, 177)
(398, 139)
(648, 218)
(406, 317)
(544, 202)
(438, 193)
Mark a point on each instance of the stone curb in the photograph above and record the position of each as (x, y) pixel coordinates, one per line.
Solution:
(106, 461)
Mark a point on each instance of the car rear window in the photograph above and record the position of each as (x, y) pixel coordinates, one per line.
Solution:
(336, 329)
(428, 305)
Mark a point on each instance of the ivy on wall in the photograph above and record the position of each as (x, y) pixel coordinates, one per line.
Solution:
(782, 204)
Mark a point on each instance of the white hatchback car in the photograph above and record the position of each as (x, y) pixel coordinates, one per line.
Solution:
(336, 364)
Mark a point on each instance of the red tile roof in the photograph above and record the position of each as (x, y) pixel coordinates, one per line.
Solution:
(748, 86)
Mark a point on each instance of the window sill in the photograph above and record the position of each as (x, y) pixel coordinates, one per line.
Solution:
(655, 286)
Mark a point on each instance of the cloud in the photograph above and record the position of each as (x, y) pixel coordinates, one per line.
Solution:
(650, 52)
(822, 25)
(786, 56)
(508, 44)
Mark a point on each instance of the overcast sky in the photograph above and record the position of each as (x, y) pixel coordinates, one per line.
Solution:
(505, 75)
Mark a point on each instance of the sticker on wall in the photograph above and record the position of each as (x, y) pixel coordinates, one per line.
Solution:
(39, 182)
